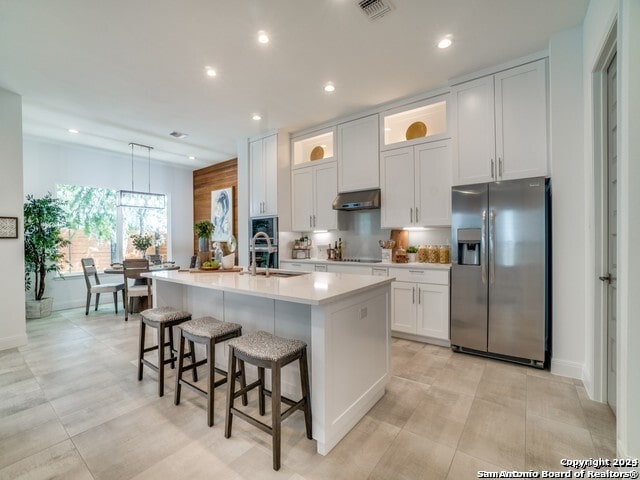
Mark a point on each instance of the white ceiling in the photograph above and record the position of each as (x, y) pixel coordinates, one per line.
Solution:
(125, 71)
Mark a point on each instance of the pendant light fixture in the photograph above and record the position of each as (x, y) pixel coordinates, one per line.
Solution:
(133, 198)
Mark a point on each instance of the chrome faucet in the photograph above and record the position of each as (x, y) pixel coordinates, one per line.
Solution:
(253, 251)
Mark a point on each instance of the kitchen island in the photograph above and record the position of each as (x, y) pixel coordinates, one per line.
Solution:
(343, 318)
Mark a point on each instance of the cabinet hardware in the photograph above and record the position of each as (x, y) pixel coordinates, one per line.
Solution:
(607, 278)
(314, 221)
(413, 292)
(493, 169)
(419, 296)
(310, 221)
(417, 215)
(500, 166)
(410, 215)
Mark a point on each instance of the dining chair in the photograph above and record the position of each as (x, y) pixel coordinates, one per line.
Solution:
(133, 269)
(89, 270)
(155, 259)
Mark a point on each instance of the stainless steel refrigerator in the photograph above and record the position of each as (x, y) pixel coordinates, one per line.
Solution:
(500, 277)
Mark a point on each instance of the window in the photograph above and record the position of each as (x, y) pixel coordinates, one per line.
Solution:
(98, 228)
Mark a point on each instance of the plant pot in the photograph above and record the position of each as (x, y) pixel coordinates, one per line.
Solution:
(413, 257)
(203, 244)
(39, 308)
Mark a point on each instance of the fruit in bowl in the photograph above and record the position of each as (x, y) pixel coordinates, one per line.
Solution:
(214, 265)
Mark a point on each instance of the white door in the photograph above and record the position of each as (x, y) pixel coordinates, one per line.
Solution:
(433, 311)
(256, 178)
(396, 185)
(326, 189)
(302, 199)
(433, 184)
(403, 307)
(474, 132)
(521, 121)
(611, 192)
(270, 163)
(358, 152)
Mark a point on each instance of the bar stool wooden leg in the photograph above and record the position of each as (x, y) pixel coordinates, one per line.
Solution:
(211, 363)
(276, 423)
(176, 397)
(304, 382)
(141, 350)
(161, 347)
(192, 348)
(261, 390)
(230, 393)
(171, 349)
(243, 382)
(115, 301)
(97, 300)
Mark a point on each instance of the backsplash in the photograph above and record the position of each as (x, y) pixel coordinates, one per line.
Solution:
(360, 232)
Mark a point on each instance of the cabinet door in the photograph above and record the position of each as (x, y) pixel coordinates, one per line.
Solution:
(297, 266)
(433, 184)
(403, 307)
(397, 201)
(433, 311)
(358, 154)
(325, 191)
(521, 121)
(256, 179)
(474, 132)
(302, 199)
(270, 172)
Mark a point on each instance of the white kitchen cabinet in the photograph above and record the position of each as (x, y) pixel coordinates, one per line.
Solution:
(352, 269)
(432, 317)
(313, 190)
(403, 307)
(500, 126)
(358, 154)
(296, 266)
(269, 178)
(416, 186)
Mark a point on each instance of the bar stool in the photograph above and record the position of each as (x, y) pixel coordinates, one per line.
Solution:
(162, 318)
(268, 351)
(206, 331)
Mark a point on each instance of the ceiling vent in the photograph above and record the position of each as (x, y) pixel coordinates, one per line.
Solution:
(375, 9)
(178, 134)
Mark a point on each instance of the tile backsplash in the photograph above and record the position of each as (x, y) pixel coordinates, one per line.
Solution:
(360, 231)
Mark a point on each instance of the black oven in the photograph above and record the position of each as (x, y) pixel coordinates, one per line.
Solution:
(268, 225)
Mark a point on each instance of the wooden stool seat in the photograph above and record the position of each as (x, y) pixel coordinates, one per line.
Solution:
(265, 350)
(207, 331)
(162, 318)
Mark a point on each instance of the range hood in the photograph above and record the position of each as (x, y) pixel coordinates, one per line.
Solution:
(362, 200)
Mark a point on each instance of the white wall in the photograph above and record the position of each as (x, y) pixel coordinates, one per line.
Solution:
(48, 164)
(12, 320)
(567, 172)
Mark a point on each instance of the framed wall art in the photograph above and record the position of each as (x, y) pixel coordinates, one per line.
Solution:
(222, 213)
(8, 227)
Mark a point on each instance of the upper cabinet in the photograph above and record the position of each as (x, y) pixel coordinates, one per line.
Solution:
(358, 154)
(414, 123)
(269, 177)
(313, 189)
(500, 126)
(312, 147)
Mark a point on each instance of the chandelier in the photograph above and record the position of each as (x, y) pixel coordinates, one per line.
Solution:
(133, 198)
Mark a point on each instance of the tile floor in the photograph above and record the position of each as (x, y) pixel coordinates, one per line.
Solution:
(71, 407)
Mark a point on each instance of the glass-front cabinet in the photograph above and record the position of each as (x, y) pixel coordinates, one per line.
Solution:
(313, 147)
(414, 123)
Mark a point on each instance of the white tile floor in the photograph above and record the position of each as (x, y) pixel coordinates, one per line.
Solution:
(71, 407)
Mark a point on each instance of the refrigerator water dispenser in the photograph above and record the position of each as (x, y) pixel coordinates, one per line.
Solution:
(469, 246)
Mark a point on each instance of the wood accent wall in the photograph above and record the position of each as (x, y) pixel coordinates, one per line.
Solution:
(207, 179)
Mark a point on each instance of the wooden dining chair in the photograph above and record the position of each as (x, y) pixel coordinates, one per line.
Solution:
(141, 287)
(89, 270)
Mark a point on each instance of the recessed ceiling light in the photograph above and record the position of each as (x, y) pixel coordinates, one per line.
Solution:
(210, 71)
(256, 117)
(191, 157)
(73, 130)
(263, 37)
(179, 135)
(329, 87)
(445, 42)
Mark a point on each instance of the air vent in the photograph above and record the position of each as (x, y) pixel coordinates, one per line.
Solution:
(375, 9)
(178, 134)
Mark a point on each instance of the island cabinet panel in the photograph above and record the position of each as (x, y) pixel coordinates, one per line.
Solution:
(358, 154)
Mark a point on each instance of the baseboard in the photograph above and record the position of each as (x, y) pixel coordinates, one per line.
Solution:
(13, 342)
(587, 380)
(420, 338)
(566, 368)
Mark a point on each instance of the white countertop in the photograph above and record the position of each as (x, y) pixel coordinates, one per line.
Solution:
(313, 288)
(435, 266)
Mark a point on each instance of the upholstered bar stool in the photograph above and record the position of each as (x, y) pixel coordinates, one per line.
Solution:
(268, 351)
(206, 331)
(162, 318)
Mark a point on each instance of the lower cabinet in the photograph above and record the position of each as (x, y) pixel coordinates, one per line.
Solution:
(298, 266)
(420, 309)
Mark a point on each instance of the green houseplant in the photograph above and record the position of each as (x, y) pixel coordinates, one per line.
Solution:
(141, 242)
(204, 230)
(43, 219)
(412, 254)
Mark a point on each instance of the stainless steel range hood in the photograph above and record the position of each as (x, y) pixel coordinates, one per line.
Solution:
(362, 200)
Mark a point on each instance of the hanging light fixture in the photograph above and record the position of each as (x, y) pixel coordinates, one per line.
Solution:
(133, 198)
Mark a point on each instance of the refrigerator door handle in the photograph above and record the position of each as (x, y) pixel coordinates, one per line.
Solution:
(483, 247)
(492, 247)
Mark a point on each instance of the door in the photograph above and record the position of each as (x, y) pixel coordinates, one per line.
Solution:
(403, 307)
(474, 131)
(433, 184)
(397, 196)
(521, 121)
(517, 268)
(469, 290)
(611, 193)
(433, 311)
(302, 199)
(270, 171)
(325, 187)
(358, 151)
(256, 178)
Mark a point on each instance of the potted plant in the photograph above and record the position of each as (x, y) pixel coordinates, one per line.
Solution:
(204, 230)
(412, 253)
(141, 242)
(43, 219)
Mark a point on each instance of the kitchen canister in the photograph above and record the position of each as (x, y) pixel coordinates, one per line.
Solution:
(422, 254)
(444, 253)
(387, 255)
